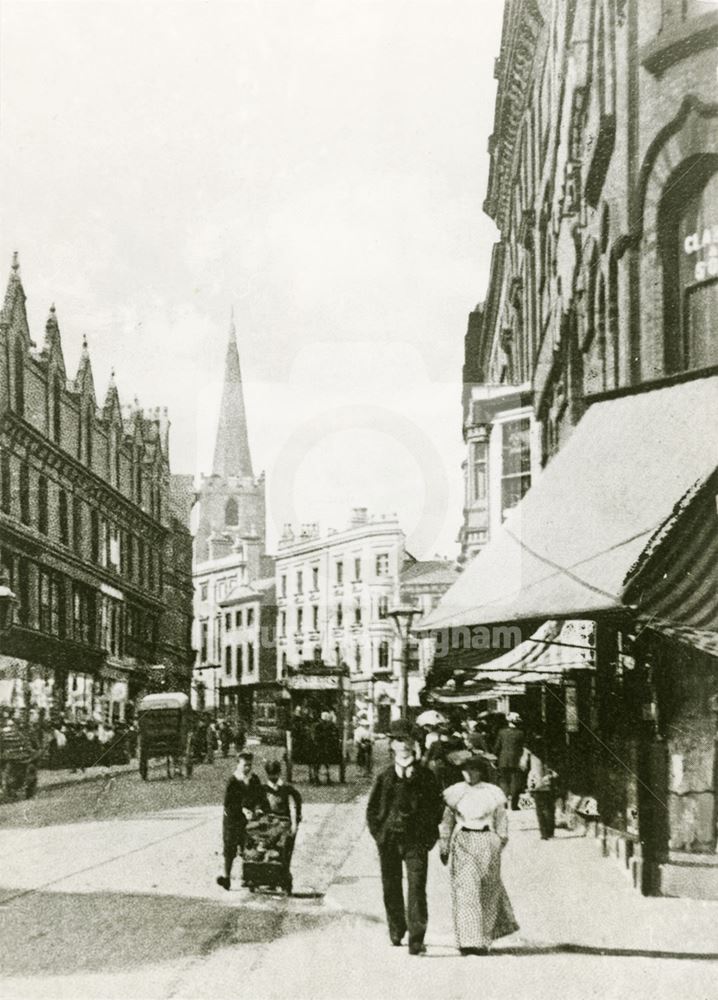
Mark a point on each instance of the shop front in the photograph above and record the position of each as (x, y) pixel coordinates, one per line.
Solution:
(620, 531)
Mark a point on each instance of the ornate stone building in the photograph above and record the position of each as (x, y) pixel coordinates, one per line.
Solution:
(98, 561)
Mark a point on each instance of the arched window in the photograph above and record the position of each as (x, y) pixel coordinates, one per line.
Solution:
(19, 377)
(231, 512)
(688, 240)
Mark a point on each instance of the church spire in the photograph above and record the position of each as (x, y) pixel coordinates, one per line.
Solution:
(231, 450)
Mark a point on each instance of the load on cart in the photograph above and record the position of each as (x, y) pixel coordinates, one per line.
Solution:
(270, 836)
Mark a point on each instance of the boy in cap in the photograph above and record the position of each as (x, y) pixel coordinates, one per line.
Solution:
(244, 794)
(403, 816)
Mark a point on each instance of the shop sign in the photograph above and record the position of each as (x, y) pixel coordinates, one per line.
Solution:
(705, 243)
(313, 682)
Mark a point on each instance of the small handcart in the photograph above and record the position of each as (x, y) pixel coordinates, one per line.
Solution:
(267, 854)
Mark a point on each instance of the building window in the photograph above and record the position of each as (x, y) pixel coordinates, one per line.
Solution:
(203, 641)
(238, 619)
(250, 617)
(357, 614)
(283, 623)
(77, 524)
(383, 606)
(300, 582)
(57, 407)
(689, 242)
(339, 572)
(42, 504)
(315, 617)
(383, 655)
(516, 463)
(62, 517)
(228, 660)
(131, 542)
(315, 578)
(250, 657)
(240, 661)
(83, 614)
(479, 450)
(203, 591)
(228, 622)
(23, 591)
(19, 377)
(6, 483)
(300, 619)
(357, 568)
(283, 585)
(231, 512)
(24, 493)
(89, 435)
(340, 616)
(94, 536)
(382, 564)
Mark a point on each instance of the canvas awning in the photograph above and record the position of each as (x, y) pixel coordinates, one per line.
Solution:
(569, 548)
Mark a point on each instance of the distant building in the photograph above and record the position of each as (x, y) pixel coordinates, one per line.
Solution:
(229, 547)
(94, 552)
(248, 687)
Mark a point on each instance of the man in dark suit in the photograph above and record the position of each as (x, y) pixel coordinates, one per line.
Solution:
(509, 750)
(403, 815)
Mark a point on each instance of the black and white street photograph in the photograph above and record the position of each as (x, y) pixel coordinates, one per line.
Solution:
(359, 499)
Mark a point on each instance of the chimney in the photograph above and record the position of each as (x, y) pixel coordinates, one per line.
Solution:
(359, 516)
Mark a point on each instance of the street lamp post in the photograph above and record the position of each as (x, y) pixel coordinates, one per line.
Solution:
(402, 616)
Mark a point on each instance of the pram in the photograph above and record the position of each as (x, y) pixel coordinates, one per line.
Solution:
(267, 854)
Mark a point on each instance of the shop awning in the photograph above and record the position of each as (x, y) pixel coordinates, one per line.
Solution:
(568, 549)
(470, 694)
(554, 648)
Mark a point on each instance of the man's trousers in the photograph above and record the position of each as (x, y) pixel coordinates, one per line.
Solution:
(394, 855)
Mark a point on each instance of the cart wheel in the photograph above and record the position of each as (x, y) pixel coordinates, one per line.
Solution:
(143, 766)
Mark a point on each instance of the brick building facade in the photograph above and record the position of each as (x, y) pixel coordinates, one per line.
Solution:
(603, 291)
(98, 560)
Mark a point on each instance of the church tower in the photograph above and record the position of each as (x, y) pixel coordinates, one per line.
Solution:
(231, 500)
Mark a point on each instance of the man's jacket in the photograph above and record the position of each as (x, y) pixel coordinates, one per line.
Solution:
(509, 747)
(421, 798)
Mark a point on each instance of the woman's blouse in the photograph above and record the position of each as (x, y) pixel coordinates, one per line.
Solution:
(474, 807)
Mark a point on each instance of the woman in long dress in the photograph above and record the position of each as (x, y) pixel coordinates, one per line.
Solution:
(474, 832)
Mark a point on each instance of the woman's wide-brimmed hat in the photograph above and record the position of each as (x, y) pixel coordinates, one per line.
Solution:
(478, 761)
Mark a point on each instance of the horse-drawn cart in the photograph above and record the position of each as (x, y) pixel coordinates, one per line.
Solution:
(165, 724)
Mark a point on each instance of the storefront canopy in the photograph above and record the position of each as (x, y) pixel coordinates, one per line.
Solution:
(568, 549)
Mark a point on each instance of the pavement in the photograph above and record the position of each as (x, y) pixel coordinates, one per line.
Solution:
(584, 931)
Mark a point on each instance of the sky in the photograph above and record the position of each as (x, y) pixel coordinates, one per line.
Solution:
(319, 167)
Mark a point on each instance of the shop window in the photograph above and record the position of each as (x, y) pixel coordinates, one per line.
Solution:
(231, 512)
(688, 239)
(516, 463)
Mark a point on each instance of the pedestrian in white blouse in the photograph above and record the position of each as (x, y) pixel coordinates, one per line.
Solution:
(474, 831)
